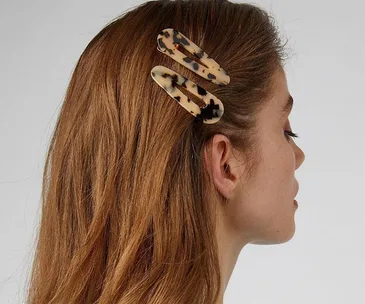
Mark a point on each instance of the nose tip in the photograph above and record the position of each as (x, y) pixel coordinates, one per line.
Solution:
(300, 157)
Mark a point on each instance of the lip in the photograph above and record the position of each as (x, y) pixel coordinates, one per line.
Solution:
(295, 203)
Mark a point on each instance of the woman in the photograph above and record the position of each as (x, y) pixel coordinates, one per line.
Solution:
(144, 202)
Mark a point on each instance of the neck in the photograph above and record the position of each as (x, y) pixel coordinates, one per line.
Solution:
(229, 247)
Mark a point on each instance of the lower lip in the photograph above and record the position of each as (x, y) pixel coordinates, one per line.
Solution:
(295, 203)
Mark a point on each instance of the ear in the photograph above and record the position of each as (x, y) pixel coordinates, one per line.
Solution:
(223, 166)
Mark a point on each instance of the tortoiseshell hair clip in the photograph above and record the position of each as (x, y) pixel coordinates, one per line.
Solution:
(168, 42)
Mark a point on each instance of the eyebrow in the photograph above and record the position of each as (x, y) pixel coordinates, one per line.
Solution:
(288, 106)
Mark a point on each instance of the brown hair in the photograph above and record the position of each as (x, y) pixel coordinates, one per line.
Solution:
(128, 209)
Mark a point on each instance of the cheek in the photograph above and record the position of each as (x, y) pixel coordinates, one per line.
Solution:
(263, 204)
(279, 155)
(259, 216)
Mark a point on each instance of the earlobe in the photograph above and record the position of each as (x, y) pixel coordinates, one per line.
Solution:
(217, 159)
(224, 181)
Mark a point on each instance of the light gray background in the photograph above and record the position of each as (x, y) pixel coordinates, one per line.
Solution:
(324, 262)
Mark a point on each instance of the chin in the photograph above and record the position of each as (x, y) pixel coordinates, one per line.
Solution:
(279, 238)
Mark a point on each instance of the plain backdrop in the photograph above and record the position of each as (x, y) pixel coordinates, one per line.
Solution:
(324, 262)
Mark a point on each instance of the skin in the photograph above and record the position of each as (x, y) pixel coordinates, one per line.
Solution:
(260, 210)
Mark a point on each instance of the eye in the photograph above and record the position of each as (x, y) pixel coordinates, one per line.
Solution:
(289, 134)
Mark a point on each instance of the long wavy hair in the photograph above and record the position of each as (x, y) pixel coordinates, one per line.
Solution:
(128, 205)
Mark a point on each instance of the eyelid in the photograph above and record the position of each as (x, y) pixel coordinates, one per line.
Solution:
(290, 135)
(288, 124)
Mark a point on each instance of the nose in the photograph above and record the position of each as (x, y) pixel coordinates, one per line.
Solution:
(299, 157)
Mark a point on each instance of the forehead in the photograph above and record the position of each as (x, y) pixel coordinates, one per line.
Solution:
(277, 104)
(280, 87)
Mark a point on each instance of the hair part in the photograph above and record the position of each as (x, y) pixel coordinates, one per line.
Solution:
(128, 208)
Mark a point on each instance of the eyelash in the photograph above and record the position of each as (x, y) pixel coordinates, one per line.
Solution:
(289, 134)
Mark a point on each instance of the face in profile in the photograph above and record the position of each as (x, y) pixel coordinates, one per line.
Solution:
(265, 206)
(261, 210)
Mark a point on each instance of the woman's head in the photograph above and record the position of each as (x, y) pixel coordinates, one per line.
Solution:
(132, 183)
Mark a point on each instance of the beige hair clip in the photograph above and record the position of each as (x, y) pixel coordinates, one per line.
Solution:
(168, 41)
